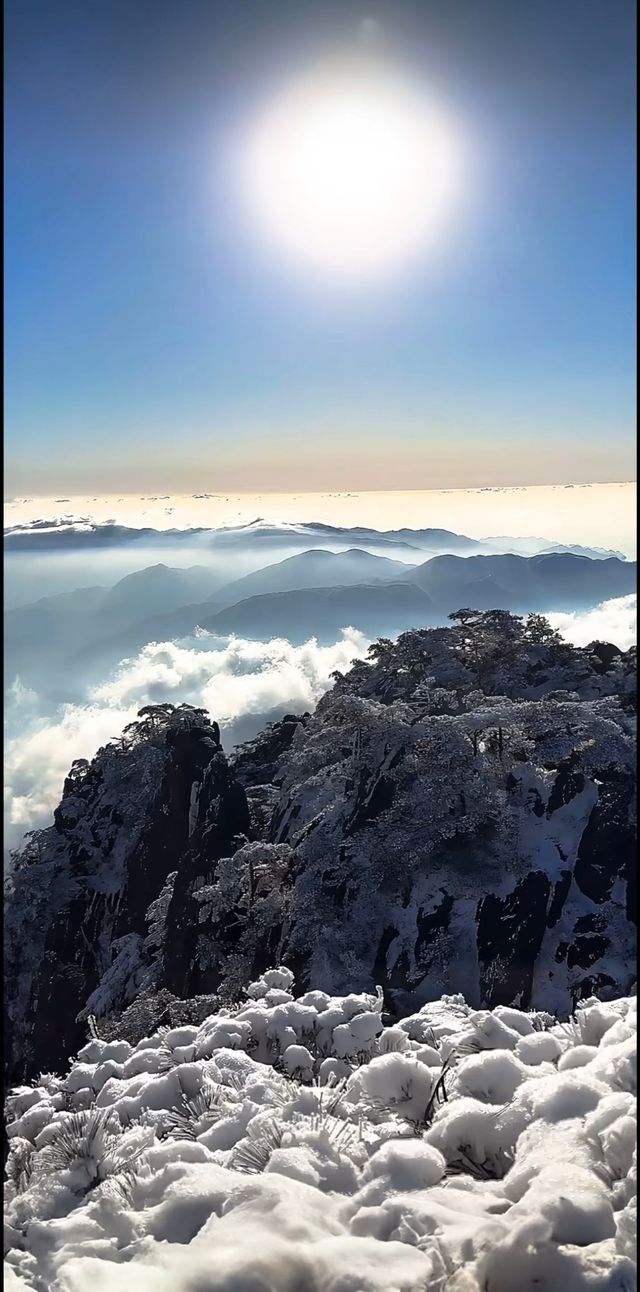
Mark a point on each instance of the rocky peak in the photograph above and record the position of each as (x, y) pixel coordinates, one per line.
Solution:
(450, 818)
(126, 821)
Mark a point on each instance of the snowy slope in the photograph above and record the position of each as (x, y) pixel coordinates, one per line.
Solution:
(300, 1145)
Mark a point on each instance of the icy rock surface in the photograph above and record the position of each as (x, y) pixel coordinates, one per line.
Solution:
(446, 1155)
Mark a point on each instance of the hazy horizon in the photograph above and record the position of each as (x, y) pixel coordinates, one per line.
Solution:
(433, 463)
(602, 515)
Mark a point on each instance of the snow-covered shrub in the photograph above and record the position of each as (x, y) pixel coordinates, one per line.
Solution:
(271, 1154)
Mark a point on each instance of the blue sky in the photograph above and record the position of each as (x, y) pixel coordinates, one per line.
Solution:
(150, 341)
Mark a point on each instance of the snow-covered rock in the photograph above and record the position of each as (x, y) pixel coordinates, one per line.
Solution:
(455, 817)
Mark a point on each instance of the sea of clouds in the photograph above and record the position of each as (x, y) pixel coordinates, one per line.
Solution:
(612, 621)
(243, 684)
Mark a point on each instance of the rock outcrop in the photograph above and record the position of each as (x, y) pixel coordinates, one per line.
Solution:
(75, 916)
(456, 816)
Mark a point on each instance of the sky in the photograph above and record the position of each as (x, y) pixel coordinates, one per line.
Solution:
(153, 341)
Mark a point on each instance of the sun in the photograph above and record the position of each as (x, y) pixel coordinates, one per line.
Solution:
(352, 173)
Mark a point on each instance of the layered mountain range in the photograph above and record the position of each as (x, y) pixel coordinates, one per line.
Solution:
(73, 533)
(84, 633)
(456, 815)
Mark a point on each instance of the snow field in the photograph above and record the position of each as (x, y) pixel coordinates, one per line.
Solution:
(300, 1145)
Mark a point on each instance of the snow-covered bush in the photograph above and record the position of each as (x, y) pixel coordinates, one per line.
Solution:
(299, 1143)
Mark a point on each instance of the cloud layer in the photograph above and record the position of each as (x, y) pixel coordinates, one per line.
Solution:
(242, 683)
(611, 621)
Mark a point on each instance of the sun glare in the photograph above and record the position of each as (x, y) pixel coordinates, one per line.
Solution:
(351, 173)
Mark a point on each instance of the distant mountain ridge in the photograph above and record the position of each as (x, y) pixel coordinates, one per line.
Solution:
(316, 568)
(64, 535)
(316, 593)
(44, 634)
(553, 580)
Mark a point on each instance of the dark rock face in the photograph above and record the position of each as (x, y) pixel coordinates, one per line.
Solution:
(258, 760)
(413, 833)
(222, 934)
(596, 869)
(603, 655)
(510, 933)
(225, 824)
(123, 825)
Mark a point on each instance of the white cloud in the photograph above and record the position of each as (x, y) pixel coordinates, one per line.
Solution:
(229, 676)
(242, 684)
(611, 621)
(39, 752)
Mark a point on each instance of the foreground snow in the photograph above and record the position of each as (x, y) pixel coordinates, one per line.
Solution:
(303, 1146)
